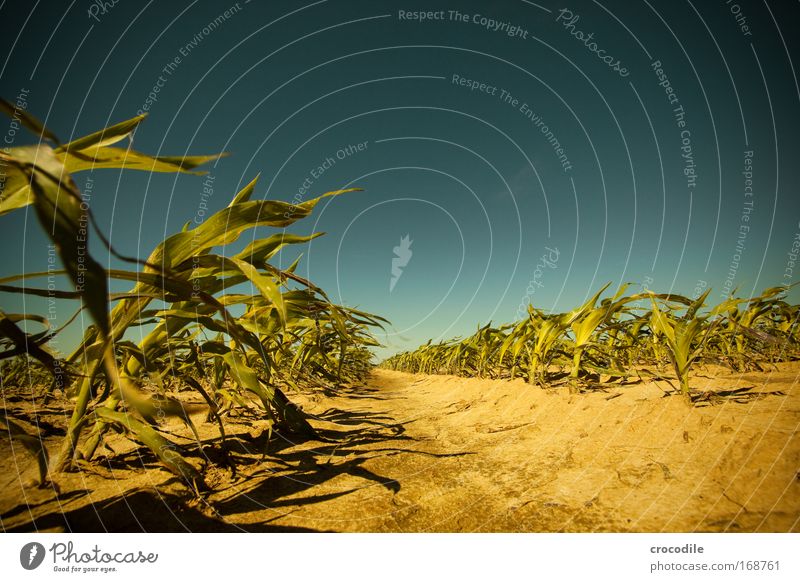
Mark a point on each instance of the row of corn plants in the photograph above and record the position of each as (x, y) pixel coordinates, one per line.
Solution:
(620, 336)
(231, 326)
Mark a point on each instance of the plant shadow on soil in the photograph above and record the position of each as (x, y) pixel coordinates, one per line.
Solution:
(408, 453)
(273, 471)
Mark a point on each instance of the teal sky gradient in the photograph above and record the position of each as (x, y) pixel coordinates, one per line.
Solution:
(479, 187)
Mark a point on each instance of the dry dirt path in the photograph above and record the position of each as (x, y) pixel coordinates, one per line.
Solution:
(411, 453)
(455, 454)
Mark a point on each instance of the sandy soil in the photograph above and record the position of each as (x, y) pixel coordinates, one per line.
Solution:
(412, 453)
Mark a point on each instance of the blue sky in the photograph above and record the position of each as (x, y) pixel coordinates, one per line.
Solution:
(543, 150)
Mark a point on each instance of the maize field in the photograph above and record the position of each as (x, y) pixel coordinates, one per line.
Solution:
(227, 339)
(288, 334)
(619, 338)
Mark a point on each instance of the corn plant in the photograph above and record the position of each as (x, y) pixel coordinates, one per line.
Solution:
(750, 326)
(618, 338)
(289, 327)
(685, 336)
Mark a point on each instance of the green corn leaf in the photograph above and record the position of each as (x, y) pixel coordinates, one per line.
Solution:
(247, 378)
(28, 121)
(104, 137)
(245, 193)
(97, 158)
(59, 209)
(264, 249)
(264, 284)
(164, 449)
(15, 190)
